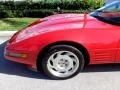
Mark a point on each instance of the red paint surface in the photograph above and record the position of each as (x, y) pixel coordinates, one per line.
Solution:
(101, 40)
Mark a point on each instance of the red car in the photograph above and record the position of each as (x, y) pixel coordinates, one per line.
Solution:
(61, 45)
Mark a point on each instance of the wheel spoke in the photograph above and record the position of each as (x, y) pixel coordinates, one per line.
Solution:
(63, 63)
(50, 65)
(61, 70)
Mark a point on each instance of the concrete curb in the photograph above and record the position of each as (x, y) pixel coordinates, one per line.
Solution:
(7, 33)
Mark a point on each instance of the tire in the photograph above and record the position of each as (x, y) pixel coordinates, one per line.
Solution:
(62, 62)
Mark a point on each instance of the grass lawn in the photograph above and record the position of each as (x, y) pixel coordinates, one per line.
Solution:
(12, 24)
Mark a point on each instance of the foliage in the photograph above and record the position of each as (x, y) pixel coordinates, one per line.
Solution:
(44, 8)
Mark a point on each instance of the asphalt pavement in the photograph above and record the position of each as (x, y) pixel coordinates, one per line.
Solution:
(15, 76)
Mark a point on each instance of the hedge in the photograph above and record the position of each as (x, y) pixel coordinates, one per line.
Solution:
(78, 4)
(42, 9)
(36, 13)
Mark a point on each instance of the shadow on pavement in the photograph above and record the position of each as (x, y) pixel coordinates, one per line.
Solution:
(12, 68)
(102, 68)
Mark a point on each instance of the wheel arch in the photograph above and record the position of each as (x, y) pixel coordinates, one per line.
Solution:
(74, 44)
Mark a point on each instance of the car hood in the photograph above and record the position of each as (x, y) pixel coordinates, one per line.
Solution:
(62, 16)
(55, 23)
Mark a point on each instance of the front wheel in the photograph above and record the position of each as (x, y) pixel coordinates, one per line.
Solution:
(62, 62)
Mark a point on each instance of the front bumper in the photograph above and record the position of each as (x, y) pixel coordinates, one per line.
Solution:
(25, 51)
(23, 56)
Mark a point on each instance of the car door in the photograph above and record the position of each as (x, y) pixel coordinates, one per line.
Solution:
(106, 31)
(118, 52)
(102, 41)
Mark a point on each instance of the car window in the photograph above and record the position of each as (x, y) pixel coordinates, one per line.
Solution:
(112, 11)
(109, 13)
(114, 8)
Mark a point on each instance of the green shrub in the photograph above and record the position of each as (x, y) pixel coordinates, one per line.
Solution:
(38, 13)
(6, 13)
(77, 4)
(42, 9)
(96, 3)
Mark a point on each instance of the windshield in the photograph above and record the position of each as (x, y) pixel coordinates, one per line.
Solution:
(109, 13)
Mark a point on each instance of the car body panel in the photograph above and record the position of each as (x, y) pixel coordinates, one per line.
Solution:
(100, 39)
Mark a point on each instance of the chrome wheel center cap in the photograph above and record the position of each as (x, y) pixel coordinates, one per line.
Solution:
(63, 63)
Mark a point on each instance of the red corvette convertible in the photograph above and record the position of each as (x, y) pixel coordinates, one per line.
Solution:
(61, 45)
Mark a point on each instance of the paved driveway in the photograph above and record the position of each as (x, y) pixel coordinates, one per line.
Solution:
(14, 76)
